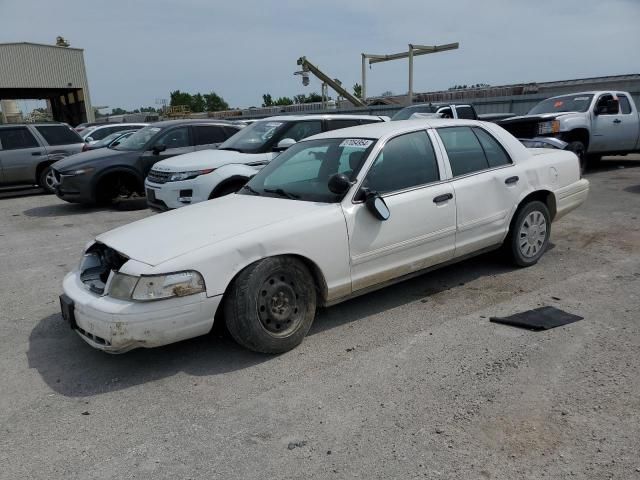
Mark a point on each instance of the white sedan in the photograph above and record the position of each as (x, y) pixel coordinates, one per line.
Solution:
(336, 215)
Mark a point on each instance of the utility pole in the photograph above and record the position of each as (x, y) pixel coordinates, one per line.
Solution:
(414, 50)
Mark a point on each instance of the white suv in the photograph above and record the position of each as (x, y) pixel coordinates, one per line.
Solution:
(199, 176)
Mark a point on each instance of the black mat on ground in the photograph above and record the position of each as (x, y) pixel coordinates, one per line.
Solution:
(542, 318)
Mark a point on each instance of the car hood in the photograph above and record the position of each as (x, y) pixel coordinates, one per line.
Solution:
(90, 157)
(206, 159)
(168, 235)
(543, 117)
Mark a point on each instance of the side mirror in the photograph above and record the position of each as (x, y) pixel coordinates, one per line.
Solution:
(158, 148)
(339, 184)
(284, 144)
(377, 206)
(88, 139)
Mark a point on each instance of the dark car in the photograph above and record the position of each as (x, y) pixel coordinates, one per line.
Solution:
(104, 175)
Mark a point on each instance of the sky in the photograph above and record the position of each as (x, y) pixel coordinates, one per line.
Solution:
(137, 51)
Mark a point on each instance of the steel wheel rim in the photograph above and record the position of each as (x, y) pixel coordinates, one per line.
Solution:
(533, 234)
(50, 179)
(278, 305)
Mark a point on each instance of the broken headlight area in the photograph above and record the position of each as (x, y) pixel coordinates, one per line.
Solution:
(155, 287)
(97, 264)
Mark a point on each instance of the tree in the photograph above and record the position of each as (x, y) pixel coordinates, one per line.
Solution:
(118, 111)
(215, 102)
(357, 90)
(314, 97)
(283, 101)
(267, 101)
(387, 93)
(198, 103)
(179, 98)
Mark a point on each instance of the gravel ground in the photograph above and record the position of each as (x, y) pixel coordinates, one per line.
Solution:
(409, 382)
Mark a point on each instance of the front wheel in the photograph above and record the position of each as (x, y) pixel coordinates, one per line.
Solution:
(47, 180)
(529, 235)
(271, 305)
(580, 150)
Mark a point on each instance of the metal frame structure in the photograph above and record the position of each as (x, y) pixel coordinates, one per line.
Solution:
(414, 50)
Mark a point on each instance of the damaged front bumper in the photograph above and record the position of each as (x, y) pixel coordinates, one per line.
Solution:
(117, 326)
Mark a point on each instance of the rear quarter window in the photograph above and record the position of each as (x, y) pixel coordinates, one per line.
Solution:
(58, 134)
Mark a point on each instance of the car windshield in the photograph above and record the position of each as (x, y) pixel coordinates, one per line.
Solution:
(568, 103)
(252, 138)
(302, 172)
(138, 140)
(108, 139)
(406, 112)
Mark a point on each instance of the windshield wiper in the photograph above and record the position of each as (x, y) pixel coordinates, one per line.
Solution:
(231, 149)
(252, 190)
(282, 193)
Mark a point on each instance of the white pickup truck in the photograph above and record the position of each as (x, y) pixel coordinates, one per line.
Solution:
(592, 123)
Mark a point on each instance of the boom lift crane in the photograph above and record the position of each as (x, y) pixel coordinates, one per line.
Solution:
(308, 67)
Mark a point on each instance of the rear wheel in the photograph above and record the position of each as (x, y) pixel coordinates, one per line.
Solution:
(271, 304)
(47, 180)
(529, 235)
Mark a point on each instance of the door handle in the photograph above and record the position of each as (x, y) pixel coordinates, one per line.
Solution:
(36, 154)
(512, 180)
(617, 120)
(443, 198)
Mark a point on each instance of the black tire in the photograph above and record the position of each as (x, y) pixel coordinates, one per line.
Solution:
(594, 161)
(526, 249)
(227, 189)
(114, 188)
(270, 305)
(46, 180)
(580, 150)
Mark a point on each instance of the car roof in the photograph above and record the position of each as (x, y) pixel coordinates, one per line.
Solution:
(36, 124)
(191, 121)
(386, 129)
(322, 116)
(118, 124)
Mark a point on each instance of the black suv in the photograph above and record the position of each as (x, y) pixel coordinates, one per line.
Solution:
(104, 175)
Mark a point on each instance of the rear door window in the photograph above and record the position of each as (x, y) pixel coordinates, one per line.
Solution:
(464, 150)
(496, 155)
(17, 138)
(209, 134)
(58, 134)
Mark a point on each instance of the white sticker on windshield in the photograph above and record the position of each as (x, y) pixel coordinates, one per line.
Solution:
(356, 142)
(581, 99)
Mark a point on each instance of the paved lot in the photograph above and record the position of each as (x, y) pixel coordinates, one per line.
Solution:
(409, 382)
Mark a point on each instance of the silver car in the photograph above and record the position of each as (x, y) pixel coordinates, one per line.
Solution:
(27, 152)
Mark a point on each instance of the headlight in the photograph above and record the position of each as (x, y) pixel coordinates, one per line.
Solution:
(545, 128)
(80, 171)
(155, 287)
(176, 177)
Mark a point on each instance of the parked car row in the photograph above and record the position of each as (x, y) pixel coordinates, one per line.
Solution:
(186, 161)
(335, 215)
